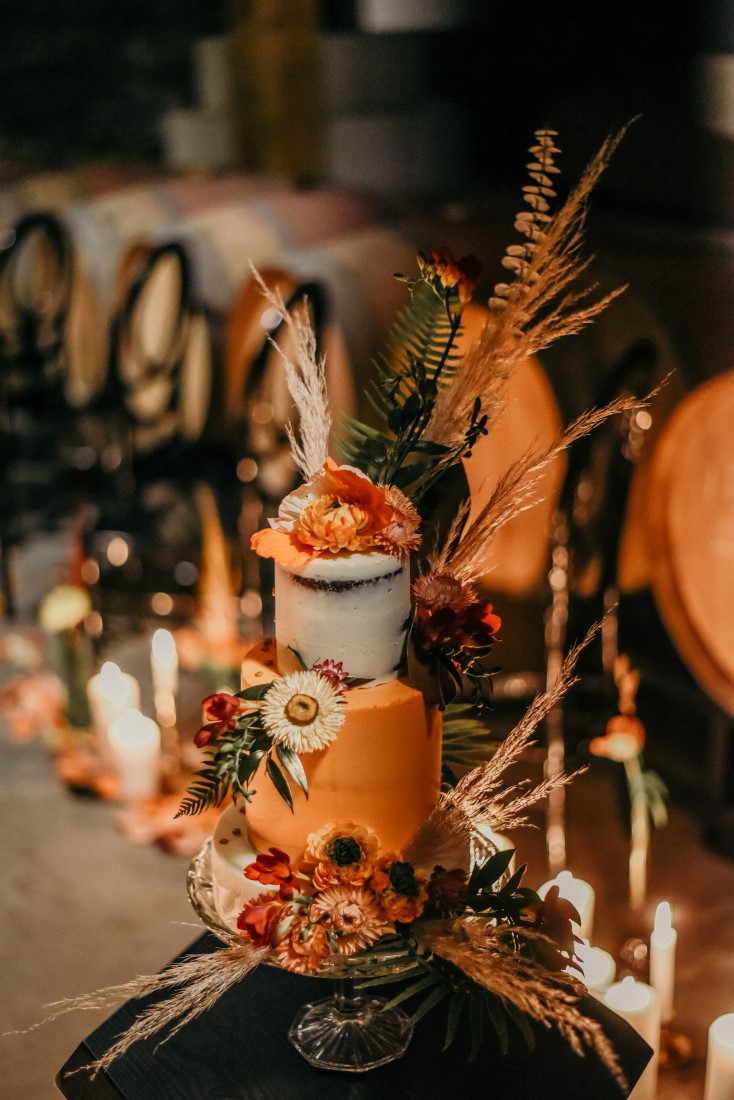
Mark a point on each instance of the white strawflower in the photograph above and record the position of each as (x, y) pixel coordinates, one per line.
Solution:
(303, 712)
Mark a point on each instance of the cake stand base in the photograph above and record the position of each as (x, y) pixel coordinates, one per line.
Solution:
(350, 1032)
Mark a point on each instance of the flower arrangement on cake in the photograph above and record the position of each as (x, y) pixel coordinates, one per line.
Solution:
(351, 845)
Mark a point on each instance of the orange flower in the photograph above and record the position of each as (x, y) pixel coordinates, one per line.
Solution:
(401, 889)
(339, 510)
(353, 915)
(328, 523)
(463, 274)
(305, 947)
(274, 870)
(260, 918)
(341, 853)
(623, 740)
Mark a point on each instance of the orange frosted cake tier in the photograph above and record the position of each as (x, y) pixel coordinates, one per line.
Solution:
(383, 770)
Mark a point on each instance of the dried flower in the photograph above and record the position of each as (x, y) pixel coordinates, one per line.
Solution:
(334, 672)
(353, 915)
(341, 853)
(274, 870)
(304, 948)
(434, 591)
(330, 524)
(447, 892)
(303, 712)
(400, 537)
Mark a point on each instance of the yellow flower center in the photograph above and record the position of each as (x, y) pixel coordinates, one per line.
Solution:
(301, 709)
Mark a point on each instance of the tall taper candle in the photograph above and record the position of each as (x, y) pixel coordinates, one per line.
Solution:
(639, 1005)
(662, 959)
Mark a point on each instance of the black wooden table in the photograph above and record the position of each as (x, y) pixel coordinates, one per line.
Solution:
(240, 1051)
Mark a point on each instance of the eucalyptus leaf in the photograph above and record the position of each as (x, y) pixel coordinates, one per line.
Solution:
(279, 781)
(292, 764)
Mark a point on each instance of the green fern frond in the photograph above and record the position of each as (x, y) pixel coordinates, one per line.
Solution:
(208, 788)
(419, 357)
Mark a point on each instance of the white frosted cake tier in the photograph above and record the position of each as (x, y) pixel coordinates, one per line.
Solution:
(352, 608)
(231, 853)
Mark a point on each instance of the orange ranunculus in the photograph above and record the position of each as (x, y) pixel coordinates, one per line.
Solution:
(305, 947)
(274, 870)
(402, 891)
(341, 853)
(260, 918)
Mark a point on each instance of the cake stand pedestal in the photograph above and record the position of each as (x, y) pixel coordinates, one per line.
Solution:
(350, 1032)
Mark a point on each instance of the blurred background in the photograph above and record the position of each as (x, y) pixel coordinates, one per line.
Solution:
(150, 153)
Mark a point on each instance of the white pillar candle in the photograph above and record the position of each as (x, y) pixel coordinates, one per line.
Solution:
(111, 692)
(720, 1060)
(164, 667)
(579, 893)
(662, 959)
(639, 1005)
(599, 968)
(135, 744)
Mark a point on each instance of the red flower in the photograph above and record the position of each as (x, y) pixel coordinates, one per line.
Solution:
(334, 672)
(274, 870)
(450, 272)
(260, 919)
(447, 892)
(222, 710)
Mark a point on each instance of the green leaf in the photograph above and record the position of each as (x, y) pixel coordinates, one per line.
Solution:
(258, 691)
(411, 990)
(291, 761)
(456, 1007)
(491, 870)
(521, 1022)
(498, 1021)
(428, 1003)
(279, 781)
(476, 1019)
(298, 656)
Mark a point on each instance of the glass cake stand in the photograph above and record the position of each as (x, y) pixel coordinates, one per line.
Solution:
(348, 1031)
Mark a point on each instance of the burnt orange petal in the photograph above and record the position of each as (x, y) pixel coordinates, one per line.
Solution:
(283, 546)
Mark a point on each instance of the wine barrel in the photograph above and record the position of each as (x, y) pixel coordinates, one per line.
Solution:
(225, 224)
(35, 290)
(690, 527)
(518, 556)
